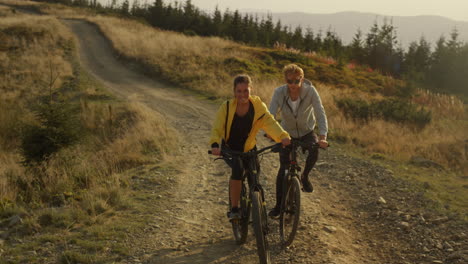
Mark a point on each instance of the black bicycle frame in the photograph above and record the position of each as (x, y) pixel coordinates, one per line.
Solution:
(252, 170)
(293, 167)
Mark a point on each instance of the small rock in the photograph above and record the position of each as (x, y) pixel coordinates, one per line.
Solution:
(440, 220)
(223, 202)
(329, 229)
(382, 200)
(187, 250)
(407, 217)
(422, 220)
(425, 249)
(437, 262)
(405, 224)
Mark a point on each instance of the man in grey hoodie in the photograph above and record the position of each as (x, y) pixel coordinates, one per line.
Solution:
(300, 109)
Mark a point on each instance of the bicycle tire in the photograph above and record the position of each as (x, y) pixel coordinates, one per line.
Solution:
(290, 212)
(260, 228)
(240, 228)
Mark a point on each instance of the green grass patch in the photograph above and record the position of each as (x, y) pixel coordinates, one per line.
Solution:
(73, 257)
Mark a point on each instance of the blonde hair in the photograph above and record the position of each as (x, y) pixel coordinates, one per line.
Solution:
(242, 78)
(292, 68)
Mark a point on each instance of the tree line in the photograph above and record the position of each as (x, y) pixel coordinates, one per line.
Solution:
(443, 68)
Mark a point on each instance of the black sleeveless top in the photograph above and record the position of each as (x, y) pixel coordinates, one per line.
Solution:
(240, 129)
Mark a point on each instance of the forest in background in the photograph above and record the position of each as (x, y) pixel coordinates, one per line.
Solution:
(441, 67)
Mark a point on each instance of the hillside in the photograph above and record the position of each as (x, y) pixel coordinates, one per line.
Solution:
(164, 199)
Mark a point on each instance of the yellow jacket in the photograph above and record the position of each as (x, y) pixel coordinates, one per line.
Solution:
(262, 120)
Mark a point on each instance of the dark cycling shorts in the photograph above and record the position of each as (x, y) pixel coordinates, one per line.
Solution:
(239, 165)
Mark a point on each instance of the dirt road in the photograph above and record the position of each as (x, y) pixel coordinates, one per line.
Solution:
(358, 212)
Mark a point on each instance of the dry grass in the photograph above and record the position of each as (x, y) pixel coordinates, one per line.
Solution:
(19, 2)
(189, 57)
(443, 106)
(35, 50)
(198, 63)
(139, 140)
(28, 52)
(194, 62)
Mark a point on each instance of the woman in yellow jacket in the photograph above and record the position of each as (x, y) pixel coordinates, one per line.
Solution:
(236, 125)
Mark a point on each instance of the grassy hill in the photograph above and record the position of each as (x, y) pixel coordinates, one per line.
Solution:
(208, 64)
(64, 140)
(368, 111)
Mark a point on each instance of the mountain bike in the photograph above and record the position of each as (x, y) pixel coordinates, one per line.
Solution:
(290, 209)
(252, 200)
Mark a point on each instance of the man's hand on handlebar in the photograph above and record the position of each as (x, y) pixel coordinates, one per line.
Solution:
(323, 143)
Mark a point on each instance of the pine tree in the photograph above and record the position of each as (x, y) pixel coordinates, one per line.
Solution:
(309, 40)
(297, 39)
(124, 9)
(217, 22)
(357, 52)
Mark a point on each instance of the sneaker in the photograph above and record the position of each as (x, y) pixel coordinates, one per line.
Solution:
(234, 214)
(306, 185)
(274, 213)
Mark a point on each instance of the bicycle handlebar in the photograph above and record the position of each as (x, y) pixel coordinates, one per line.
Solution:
(228, 152)
(300, 142)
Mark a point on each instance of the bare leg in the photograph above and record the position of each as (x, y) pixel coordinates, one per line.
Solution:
(235, 190)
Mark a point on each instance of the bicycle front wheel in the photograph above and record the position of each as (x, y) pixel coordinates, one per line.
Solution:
(260, 228)
(240, 227)
(290, 212)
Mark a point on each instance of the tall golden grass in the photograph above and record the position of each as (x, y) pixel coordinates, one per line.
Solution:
(35, 51)
(193, 62)
(186, 57)
(199, 64)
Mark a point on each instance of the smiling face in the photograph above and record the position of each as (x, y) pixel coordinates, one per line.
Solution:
(242, 92)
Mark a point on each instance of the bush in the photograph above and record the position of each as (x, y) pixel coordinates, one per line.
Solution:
(58, 127)
(357, 109)
(393, 110)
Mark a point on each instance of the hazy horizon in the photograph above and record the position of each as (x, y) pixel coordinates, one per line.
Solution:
(452, 9)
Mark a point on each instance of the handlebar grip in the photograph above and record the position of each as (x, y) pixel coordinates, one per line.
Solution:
(209, 152)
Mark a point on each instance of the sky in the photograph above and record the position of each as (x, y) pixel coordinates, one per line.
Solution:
(454, 9)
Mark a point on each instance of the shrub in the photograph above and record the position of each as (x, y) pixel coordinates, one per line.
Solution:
(58, 126)
(393, 110)
(357, 109)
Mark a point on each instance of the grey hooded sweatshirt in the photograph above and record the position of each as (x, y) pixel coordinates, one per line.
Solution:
(309, 111)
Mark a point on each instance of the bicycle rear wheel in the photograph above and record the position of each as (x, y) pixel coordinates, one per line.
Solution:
(260, 228)
(290, 212)
(240, 227)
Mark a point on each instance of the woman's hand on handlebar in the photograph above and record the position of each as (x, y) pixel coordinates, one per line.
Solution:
(285, 142)
(216, 151)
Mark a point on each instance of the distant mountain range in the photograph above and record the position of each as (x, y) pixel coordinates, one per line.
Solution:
(346, 24)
